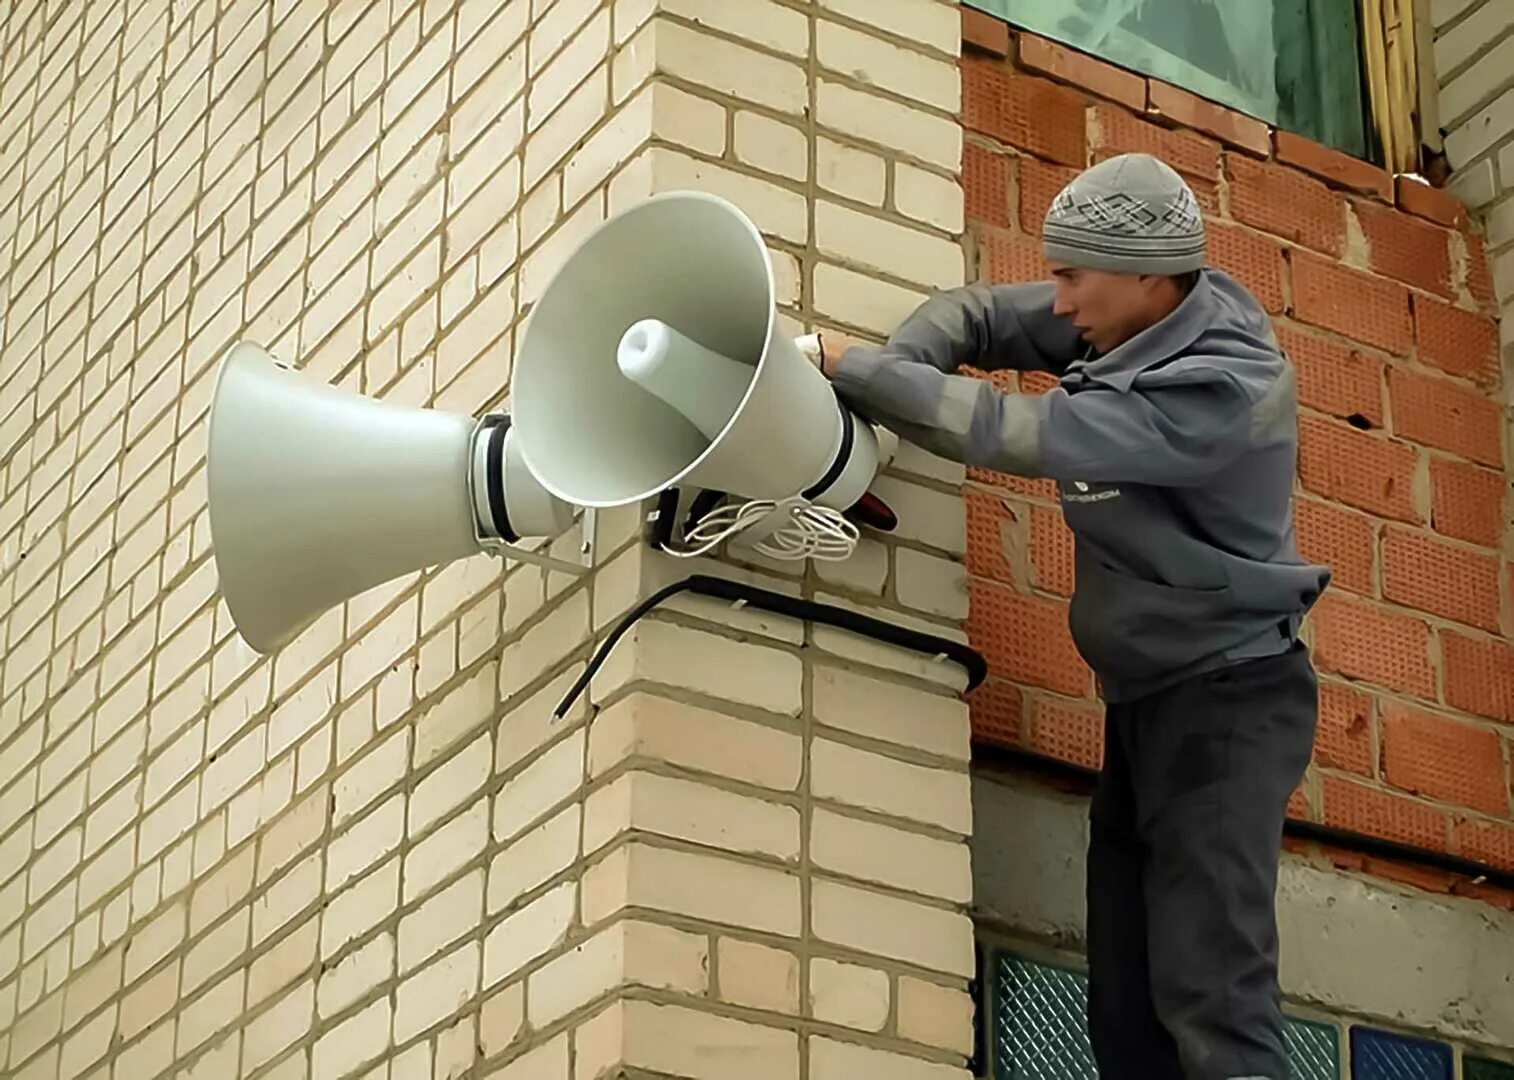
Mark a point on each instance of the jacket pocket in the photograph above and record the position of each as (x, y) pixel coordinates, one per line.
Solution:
(1132, 628)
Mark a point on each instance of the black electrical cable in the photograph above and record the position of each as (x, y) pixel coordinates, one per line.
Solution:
(794, 607)
(1030, 760)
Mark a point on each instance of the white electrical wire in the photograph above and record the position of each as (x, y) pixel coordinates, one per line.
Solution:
(812, 532)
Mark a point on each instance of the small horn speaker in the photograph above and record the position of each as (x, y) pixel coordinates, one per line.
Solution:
(318, 494)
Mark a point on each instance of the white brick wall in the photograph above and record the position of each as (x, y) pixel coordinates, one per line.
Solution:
(378, 848)
(1474, 69)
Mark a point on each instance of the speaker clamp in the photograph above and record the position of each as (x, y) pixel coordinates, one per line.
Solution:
(492, 525)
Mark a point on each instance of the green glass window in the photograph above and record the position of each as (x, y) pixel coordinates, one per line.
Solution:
(1037, 1026)
(1295, 64)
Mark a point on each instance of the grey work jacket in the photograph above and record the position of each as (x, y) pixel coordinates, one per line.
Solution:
(1174, 456)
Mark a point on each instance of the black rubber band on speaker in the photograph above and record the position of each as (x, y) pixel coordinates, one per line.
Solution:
(843, 455)
(495, 481)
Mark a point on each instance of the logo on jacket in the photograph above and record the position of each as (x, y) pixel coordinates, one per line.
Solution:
(1083, 493)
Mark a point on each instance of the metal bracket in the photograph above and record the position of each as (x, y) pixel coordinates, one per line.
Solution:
(510, 551)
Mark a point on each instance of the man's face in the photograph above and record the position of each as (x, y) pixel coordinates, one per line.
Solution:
(1109, 308)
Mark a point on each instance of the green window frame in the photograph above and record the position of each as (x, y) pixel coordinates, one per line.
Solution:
(1294, 64)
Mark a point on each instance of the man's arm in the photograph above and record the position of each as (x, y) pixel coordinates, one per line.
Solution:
(990, 327)
(1174, 435)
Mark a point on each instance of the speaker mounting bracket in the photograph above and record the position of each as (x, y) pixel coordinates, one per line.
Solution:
(502, 550)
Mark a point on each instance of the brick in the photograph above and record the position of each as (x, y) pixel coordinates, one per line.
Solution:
(1252, 259)
(356, 975)
(1196, 158)
(370, 777)
(916, 22)
(928, 197)
(1479, 675)
(501, 1019)
(646, 803)
(859, 300)
(1080, 70)
(1340, 169)
(1371, 810)
(727, 67)
(930, 584)
(890, 712)
(1490, 842)
(698, 886)
(458, 842)
(1458, 341)
(744, 673)
(1039, 184)
(1067, 731)
(357, 1041)
(350, 914)
(762, 22)
(212, 1013)
(874, 782)
(936, 1015)
(1368, 309)
(362, 845)
(1227, 125)
(1026, 638)
(1010, 258)
(541, 786)
(984, 33)
(757, 976)
(849, 994)
(528, 933)
(441, 920)
(910, 74)
(1485, 76)
(1467, 501)
(871, 242)
(994, 543)
(1023, 111)
(694, 738)
(770, 145)
(627, 953)
(898, 127)
(1441, 413)
(1443, 579)
(1405, 248)
(1363, 641)
(833, 1060)
(1361, 470)
(847, 171)
(1333, 377)
(985, 184)
(534, 858)
(546, 1062)
(1286, 203)
(996, 709)
(551, 85)
(1051, 551)
(1444, 759)
(437, 992)
(676, 1041)
(1338, 538)
(891, 927)
(449, 786)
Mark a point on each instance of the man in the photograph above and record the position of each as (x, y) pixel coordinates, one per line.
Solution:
(1173, 441)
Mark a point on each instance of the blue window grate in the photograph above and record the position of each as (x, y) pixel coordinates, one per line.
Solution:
(1384, 1055)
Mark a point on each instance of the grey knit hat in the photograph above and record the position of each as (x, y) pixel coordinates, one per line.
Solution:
(1132, 213)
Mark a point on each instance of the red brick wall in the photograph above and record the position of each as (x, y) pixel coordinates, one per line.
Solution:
(1381, 294)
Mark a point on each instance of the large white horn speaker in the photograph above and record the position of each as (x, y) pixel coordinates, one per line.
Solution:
(654, 358)
(318, 494)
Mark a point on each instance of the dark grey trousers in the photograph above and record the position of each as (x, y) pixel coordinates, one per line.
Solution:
(1186, 830)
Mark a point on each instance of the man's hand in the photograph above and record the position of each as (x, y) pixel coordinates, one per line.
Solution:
(832, 347)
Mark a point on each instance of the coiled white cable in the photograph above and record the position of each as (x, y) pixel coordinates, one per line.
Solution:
(811, 532)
